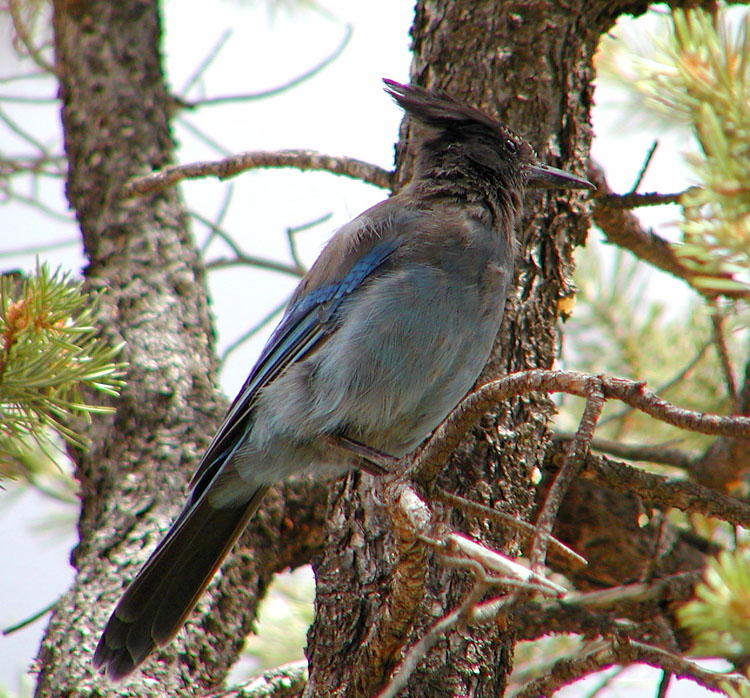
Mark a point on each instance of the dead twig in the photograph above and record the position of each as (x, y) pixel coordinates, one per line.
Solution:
(664, 455)
(573, 461)
(623, 650)
(305, 160)
(525, 529)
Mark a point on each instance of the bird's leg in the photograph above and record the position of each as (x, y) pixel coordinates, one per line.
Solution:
(369, 459)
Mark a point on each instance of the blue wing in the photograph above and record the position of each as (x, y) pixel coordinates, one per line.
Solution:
(304, 323)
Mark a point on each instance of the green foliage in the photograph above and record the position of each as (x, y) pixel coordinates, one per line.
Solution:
(49, 353)
(699, 76)
(618, 328)
(709, 85)
(696, 75)
(39, 461)
(719, 616)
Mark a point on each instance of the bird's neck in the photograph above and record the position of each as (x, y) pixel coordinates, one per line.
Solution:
(497, 205)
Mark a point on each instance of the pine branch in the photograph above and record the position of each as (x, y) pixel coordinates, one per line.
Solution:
(50, 352)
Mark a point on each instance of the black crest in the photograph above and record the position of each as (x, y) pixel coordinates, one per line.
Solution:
(487, 143)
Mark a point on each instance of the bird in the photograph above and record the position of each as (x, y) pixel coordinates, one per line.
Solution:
(385, 334)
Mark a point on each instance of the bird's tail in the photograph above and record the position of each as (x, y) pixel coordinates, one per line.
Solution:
(165, 591)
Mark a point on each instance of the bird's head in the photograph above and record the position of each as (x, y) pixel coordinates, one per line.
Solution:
(462, 133)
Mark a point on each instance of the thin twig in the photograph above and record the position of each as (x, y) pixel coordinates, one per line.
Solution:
(36, 204)
(202, 136)
(658, 552)
(24, 165)
(224, 208)
(23, 35)
(23, 133)
(453, 620)
(661, 454)
(28, 621)
(203, 66)
(229, 167)
(251, 332)
(525, 529)
(37, 249)
(606, 681)
(258, 262)
(292, 231)
(717, 323)
(32, 101)
(214, 227)
(252, 96)
(240, 257)
(644, 167)
(25, 76)
(573, 463)
(666, 679)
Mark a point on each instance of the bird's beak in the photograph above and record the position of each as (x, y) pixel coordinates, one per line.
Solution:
(546, 177)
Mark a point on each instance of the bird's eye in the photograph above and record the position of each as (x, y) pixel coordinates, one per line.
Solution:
(510, 146)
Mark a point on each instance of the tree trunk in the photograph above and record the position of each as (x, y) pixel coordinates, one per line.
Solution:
(488, 53)
(528, 62)
(141, 256)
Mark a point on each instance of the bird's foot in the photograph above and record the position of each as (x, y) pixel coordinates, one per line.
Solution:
(369, 459)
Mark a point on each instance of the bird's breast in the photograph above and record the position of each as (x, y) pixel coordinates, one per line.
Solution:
(408, 348)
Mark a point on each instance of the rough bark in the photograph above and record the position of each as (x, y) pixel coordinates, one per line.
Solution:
(376, 592)
(115, 112)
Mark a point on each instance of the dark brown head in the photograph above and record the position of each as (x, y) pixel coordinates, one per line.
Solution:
(463, 133)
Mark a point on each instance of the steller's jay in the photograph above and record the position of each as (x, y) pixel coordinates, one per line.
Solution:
(385, 334)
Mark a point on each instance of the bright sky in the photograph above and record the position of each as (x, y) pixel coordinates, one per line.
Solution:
(342, 111)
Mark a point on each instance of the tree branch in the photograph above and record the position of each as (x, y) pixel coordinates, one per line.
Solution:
(622, 228)
(285, 681)
(572, 464)
(635, 200)
(623, 650)
(660, 491)
(664, 455)
(593, 612)
(449, 434)
(229, 167)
